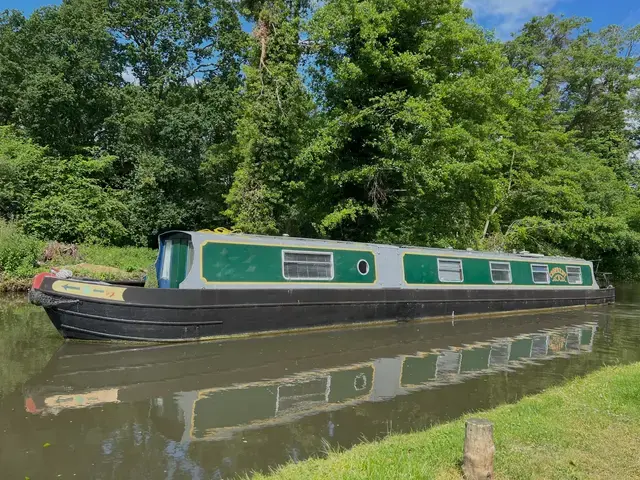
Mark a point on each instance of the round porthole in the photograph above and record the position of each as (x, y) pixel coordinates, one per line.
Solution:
(360, 382)
(363, 267)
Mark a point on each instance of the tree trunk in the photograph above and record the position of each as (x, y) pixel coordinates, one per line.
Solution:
(262, 34)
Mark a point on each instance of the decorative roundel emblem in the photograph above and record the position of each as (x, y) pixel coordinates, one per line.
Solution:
(363, 267)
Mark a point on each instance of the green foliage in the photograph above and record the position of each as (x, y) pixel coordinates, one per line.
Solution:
(129, 259)
(59, 198)
(19, 159)
(61, 64)
(19, 253)
(411, 150)
(273, 127)
(22, 256)
(588, 77)
(180, 106)
(581, 200)
(367, 120)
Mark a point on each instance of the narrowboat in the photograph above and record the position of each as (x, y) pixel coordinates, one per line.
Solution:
(213, 285)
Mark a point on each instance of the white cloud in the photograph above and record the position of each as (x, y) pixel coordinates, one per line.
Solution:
(508, 16)
(129, 77)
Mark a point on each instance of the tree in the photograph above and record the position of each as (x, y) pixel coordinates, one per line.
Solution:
(67, 199)
(60, 67)
(589, 78)
(417, 102)
(580, 197)
(180, 105)
(273, 127)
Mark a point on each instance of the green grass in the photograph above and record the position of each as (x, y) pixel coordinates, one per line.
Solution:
(22, 257)
(18, 252)
(129, 259)
(588, 428)
(125, 263)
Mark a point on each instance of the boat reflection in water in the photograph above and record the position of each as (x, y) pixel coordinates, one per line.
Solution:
(212, 391)
(213, 414)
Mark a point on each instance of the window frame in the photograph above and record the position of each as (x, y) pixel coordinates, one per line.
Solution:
(533, 278)
(451, 260)
(491, 264)
(307, 252)
(358, 267)
(569, 276)
(190, 257)
(165, 273)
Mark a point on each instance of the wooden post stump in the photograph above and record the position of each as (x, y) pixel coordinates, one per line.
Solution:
(477, 463)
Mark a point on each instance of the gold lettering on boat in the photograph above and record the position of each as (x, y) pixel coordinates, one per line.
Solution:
(81, 400)
(558, 275)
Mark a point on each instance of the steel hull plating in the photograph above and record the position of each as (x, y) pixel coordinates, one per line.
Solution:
(172, 315)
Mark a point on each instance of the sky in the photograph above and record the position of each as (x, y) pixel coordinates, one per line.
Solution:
(504, 16)
(508, 16)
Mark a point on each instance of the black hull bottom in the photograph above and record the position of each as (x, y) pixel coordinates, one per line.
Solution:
(191, 315)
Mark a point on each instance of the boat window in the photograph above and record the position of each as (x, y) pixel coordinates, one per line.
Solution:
(166, 260)
(540, 273)
(574, 275)
(500, 272)
(450, 270)
(363, 267)
(307, 265)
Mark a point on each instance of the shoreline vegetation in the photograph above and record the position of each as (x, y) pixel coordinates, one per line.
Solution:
(23, 256)
(587, 428)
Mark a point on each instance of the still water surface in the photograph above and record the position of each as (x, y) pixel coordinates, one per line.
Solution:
(219, 410)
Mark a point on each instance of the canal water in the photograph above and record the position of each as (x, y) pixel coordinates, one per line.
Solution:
(224, 409)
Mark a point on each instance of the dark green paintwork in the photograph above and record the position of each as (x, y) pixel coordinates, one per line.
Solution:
(422, 269)
(475, 359)
(520, 349)
(227, 408)
(418, 370)
(228, 262)
(349, 384)
(243, 406)
(179, 254)
(587, 277)
(585, 336)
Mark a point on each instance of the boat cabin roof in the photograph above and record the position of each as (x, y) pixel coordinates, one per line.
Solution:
(202, 236)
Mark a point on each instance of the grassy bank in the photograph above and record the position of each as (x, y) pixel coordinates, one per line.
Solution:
(22, 257)
(588, 428)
